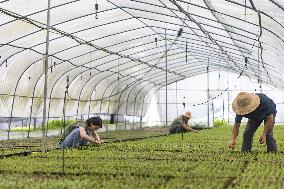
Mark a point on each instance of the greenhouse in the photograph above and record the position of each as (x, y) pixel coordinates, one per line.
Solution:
(142, 94)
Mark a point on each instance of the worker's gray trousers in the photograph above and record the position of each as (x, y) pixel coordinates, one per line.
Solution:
(177, 129)
(248, 134)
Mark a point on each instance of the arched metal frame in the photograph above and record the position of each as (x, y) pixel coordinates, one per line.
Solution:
(230, 46)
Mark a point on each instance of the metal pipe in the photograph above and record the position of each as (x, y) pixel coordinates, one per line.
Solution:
(208, 96)
(228, 97)
(213, 115)
(166, 62)
(45, 78)
(176, 100)
(223, 118)
(64, 122)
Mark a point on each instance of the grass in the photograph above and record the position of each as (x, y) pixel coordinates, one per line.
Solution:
(200, 160)
(52, 125)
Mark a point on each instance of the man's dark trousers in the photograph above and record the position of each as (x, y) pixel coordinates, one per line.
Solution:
(248, 134)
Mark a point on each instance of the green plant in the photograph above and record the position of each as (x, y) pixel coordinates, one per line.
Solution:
(219, 122)
(106, 122)
(200, 160)
(52, 124)
(57, 123)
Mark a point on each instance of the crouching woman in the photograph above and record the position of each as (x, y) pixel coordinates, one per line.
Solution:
(83, 134)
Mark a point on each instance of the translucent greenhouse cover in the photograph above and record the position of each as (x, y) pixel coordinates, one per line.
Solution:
(114, 55)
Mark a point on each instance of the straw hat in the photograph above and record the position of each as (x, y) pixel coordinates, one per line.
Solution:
(187, 114)
(245, 103)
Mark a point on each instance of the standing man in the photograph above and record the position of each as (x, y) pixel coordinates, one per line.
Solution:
(257, 107)
(180, 124)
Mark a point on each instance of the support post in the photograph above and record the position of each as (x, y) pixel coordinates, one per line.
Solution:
(176, 100)
(45, 78)
(213, 115)
(228, 98)
(208, 96)
(166, 62)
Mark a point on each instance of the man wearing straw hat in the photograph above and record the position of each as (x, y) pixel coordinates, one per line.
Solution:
(180, 124)
(257, 107)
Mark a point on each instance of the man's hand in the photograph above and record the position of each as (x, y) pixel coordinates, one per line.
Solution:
(235, 132)
(232, 144)
(262, 138)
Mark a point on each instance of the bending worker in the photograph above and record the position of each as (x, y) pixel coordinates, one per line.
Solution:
(86, 133)
(257, 107)
(180, 124)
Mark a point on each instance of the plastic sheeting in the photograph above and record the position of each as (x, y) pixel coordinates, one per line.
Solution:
(114, 57)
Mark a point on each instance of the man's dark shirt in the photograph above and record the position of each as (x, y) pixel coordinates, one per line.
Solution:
(265, 108)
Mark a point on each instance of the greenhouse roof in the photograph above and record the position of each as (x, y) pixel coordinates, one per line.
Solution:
(121, 50)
